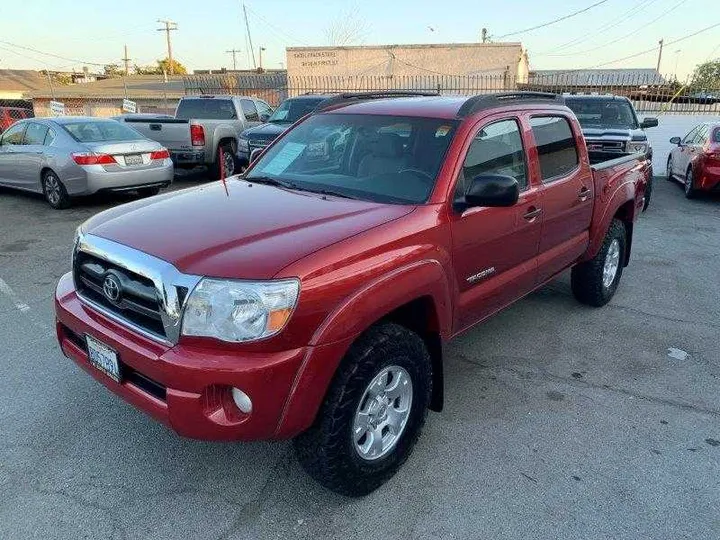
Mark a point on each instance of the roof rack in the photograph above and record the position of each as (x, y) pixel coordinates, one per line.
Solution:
(353, 97)
(486, 101)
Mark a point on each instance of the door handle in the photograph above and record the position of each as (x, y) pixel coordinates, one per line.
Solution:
(532, 213)
(584, 194)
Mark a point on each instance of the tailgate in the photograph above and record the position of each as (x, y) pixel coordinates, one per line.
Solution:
(171, 133)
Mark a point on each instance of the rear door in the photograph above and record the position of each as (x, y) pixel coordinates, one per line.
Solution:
(567, 193)
(11, 154)
(494, 249)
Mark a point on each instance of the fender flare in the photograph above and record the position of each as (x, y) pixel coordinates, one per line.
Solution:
(351, 318)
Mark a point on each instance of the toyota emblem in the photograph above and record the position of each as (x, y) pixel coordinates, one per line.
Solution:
(111, 288)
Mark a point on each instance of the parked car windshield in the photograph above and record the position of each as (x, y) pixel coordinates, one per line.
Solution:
(603, 113)
(90, 131)
(207, 108)
(292, 110)
(380, 158)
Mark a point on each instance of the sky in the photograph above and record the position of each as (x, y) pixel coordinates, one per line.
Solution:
(88, 32)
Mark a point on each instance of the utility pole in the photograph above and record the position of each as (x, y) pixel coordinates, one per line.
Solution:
(261, 51)
(126, 60)
(247, 27)
(234, 52)
(660, 54)
(169, 26)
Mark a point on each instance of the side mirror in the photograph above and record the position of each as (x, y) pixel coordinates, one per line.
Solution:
(649, 122)
(254, 154)
(264, 117)
(492, 190)
(676, 140)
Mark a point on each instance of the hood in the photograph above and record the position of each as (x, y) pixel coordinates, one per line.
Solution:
(252, 231)
(265, 132)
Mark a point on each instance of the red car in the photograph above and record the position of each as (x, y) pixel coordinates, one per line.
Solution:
(9, 115)
(696, 160)
(311, 297)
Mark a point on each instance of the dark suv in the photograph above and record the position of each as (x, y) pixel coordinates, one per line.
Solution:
(612, 129)
(290, 111)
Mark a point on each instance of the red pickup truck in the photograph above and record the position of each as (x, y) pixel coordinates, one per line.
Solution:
(310, 297)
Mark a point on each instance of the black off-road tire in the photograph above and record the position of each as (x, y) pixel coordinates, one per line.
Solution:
(230, 163)
(326, 450)
(587, 277)
(54, 191)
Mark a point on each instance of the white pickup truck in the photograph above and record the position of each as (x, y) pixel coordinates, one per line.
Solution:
(201, 127)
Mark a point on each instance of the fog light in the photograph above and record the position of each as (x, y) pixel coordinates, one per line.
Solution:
(242, 400)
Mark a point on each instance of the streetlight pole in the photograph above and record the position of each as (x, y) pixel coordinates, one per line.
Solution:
(677, 59)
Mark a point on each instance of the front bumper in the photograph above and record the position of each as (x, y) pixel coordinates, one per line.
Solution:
(188, 387)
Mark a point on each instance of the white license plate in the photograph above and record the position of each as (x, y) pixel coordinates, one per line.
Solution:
(135, 159)
(103, 358)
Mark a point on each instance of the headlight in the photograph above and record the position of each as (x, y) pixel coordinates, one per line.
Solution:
(243, 144)
(232, 310)
(635, 147)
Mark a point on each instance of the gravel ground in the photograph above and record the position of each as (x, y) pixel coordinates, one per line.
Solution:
(561, 421)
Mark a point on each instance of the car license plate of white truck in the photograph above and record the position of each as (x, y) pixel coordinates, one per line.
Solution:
(135, 159)
(103, 358)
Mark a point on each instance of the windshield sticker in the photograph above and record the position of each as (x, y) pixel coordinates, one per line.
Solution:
(284, 158)
(442, 131)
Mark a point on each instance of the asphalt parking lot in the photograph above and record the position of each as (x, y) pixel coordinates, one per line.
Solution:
(561, 421)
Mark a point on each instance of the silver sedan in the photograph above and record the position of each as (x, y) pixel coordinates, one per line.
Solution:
(70, 156)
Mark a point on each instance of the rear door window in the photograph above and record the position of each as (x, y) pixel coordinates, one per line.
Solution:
(49, 137)
(556, 146)
(206, 108)
(249, 110)
(35, 134)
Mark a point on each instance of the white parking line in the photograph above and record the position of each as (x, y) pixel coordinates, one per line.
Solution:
(7, 291)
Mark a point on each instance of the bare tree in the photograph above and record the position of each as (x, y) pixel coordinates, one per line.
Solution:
(347, 29)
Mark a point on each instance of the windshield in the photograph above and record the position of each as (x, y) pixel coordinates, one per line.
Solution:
(91, 131)
(292, 110)
(603, 113)
(389, 159)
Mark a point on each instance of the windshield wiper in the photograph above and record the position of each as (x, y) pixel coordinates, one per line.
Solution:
(331, 192)
(272, 182)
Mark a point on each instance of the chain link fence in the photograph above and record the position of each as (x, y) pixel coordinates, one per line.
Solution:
(649, 93)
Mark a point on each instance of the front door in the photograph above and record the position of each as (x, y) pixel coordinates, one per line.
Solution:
(494, 249)
(684, 153)
(567, 194)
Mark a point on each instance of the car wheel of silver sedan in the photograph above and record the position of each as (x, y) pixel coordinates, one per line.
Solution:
(54, 191)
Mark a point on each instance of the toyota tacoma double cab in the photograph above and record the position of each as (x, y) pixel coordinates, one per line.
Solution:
(311, 297)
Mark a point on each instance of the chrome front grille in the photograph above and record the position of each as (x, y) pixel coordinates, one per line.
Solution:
(605, 146)
(138, 290)
(258, 143)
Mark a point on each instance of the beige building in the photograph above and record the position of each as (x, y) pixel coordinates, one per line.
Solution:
(453, 59)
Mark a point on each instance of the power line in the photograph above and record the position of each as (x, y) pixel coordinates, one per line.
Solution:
(615, 40)
(653, 49)
(597, 30)
(573, 14)
(278, 31)
(31, 49)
